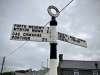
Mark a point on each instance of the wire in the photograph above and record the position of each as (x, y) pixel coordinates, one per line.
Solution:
(62, 9)
(46, 23)
(4, 66)
(17, 49)
(36, 65)
(66, 6)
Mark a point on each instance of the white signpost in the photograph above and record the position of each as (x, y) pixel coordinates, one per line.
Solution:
(30, 33)
(71, 39)
(30, 28)
(45, 34)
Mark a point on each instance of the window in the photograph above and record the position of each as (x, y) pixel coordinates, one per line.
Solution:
(76, 72)
(95, 73)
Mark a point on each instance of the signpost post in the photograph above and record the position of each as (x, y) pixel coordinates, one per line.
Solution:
(45, 34)
(53, 49)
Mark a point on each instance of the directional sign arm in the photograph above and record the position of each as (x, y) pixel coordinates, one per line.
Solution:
(30, 33)
(26, 36)
(30, 28)
(71, 39)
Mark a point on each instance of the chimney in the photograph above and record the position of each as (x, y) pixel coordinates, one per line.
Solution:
(60, 57)
(96, 65)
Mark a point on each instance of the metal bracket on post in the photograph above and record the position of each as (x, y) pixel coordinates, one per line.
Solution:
(53, 24)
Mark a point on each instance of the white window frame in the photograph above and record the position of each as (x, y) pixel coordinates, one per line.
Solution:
(95, 73)
(76, 72)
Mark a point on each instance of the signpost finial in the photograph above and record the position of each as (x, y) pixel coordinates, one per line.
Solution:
(50, 13)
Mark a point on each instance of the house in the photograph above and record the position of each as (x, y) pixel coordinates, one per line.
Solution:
(78, 67)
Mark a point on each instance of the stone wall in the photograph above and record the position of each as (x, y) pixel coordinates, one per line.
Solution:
(85, 72)
(68, 72)
(71, 72)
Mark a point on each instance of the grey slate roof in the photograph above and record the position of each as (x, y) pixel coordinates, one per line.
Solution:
(76, 64)
(35, 72)
(42, 72)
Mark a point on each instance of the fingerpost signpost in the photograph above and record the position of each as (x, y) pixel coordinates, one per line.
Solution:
(22, 32)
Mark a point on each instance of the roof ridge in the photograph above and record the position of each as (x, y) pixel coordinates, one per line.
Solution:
(82, 60)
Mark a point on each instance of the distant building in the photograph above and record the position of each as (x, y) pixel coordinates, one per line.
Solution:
(76, 67)
(27, 73)
(43, 71)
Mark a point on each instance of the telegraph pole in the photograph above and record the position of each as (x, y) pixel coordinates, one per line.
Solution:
(47, 63)
(2, 65)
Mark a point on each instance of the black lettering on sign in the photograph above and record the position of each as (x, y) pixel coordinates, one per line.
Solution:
(33, 30)
(14, 25)
(47, 31)
(16, 33)
(40, 28)
(72, 38)
(44, 39)
(19, 26)
(83, 40)
(15, 37)
(24, 34)
(78, 41)
(66, 38)
(21, 29)
(75, 40)
(30, 26)
(59, 36)
(36, 27)
(62, 37)
(40, 35)
(31, 35)
(37, 30)
(42, 31)
(37, 35)
(20, 38)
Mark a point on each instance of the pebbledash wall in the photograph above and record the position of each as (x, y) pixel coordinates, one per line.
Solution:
(78, 67)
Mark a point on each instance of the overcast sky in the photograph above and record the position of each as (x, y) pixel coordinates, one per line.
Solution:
(80, 19)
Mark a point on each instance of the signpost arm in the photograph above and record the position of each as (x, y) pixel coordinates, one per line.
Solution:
(53, 49)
